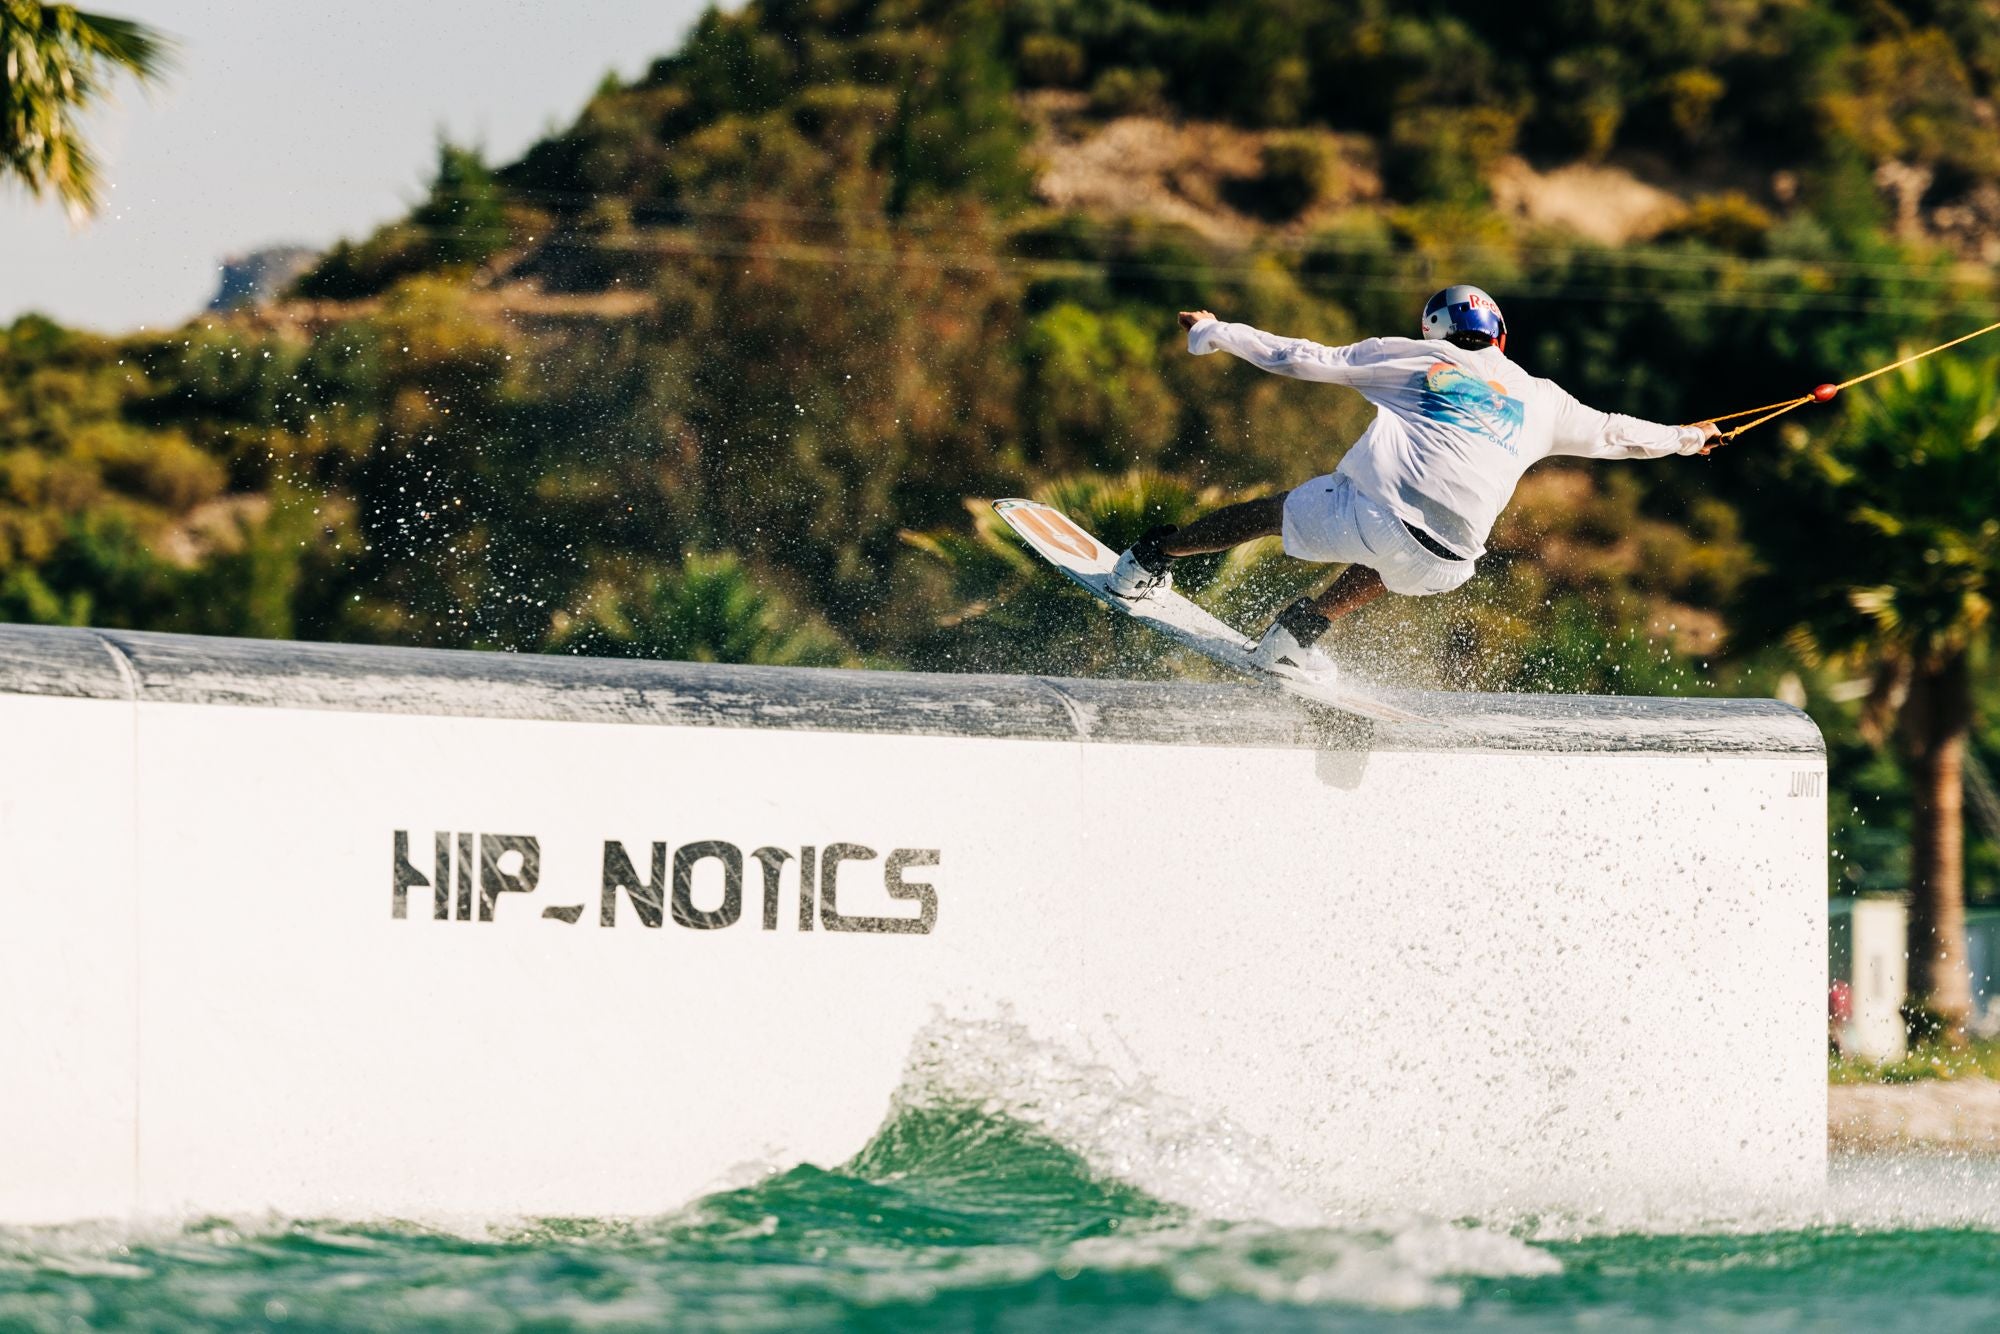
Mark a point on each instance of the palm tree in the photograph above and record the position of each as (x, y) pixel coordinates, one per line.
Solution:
(711, 609)
(57, 61)
(1899, 546)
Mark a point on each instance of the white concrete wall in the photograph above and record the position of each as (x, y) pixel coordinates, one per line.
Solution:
(69, 959)
(1461, 977)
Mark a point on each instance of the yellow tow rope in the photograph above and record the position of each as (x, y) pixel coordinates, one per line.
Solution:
(1825, 393)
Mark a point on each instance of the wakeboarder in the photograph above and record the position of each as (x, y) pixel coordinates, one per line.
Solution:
(1410, 506)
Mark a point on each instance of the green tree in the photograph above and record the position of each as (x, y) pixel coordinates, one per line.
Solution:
(1897, 562)
(1094, 394)
(57, 62)
(956, 131)
(464, 217)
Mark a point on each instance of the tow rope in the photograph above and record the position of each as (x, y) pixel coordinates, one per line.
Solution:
(1825, 393)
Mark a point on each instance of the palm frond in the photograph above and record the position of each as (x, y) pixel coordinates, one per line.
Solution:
(1878, 604)
(1804, 644)
(57, 62)
(133, 47)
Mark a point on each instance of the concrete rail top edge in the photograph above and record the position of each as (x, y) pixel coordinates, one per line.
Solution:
(195, 669)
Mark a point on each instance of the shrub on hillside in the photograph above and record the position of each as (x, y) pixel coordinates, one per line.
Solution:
(1444, 153)
(1691, 96)
(1732, 222)
(1583, 117)
(1295, 172)
(1282, 93)
(1120, 91)
(1050, 61)
(842, 112)
(1912, 98)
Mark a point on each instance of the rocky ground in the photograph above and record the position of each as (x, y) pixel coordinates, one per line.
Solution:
(1956, 1114)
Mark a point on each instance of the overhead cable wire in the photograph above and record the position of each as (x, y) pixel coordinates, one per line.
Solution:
(1306, 243)
(686, 242)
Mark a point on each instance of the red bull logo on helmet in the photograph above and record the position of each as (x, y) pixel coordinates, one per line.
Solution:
(1464, 309)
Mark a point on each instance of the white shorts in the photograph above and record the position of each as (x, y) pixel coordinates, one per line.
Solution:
(1329, 521)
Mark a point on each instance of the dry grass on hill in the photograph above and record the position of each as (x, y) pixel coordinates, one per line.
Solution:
(1194, 173)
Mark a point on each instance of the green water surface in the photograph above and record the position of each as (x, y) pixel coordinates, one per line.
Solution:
(955, 1218)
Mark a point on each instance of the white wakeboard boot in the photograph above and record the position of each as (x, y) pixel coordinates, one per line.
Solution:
(1144, 568)
(1293, 643)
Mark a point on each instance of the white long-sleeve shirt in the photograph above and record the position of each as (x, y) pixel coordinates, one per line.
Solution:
(1454, 429)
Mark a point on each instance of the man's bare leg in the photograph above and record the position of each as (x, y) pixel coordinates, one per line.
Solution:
(1355, 588)
(1230, 526)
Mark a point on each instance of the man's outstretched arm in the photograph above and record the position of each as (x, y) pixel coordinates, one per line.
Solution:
(1300, 358)
(1584, 432)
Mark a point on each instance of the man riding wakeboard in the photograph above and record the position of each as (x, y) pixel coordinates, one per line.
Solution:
(1409, 508)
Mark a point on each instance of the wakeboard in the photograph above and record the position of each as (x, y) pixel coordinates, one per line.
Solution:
(1063, 543)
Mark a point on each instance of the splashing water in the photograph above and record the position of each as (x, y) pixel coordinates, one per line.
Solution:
(1013, 1185)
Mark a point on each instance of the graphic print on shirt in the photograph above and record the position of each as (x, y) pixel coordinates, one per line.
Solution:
(1452, 394)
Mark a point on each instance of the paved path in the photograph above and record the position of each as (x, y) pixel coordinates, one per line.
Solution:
(1962, 1114)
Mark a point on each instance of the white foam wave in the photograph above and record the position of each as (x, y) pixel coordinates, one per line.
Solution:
(1121, 1125)
(1248, 1230)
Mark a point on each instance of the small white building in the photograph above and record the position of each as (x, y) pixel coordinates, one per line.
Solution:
(1868, 955)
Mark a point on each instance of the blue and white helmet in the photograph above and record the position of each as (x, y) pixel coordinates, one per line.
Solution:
(1465, 309)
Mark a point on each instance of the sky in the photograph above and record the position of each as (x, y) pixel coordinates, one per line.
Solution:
(289, 121)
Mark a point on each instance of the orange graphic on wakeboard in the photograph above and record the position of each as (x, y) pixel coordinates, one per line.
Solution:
(1057, 531)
